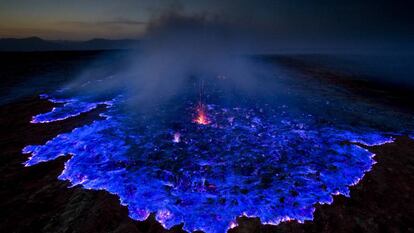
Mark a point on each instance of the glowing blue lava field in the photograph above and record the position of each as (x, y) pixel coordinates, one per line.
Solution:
(268, 159)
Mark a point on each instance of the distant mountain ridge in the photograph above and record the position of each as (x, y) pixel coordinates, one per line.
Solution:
(39, 44)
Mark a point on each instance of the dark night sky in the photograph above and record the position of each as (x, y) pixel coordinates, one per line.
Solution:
(283, 20)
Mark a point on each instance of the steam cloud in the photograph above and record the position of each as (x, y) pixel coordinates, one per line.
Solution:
(178, 51)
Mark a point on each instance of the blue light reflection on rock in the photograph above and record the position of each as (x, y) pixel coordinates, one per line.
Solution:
(246, 162)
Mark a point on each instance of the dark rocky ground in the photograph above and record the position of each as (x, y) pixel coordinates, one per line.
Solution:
(33, 200)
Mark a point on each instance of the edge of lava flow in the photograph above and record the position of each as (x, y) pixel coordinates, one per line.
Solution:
(100, 161)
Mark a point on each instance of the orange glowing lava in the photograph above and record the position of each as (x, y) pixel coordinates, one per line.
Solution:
(201, 117)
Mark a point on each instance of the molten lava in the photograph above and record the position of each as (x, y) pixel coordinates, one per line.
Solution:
(201, 117)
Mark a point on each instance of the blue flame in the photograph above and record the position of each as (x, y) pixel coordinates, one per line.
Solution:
(70, 108)
(251, 162)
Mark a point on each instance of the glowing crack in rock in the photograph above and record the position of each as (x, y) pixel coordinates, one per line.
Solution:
(252, 162)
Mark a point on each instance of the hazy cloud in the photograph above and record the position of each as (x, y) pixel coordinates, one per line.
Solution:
(104, 23)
